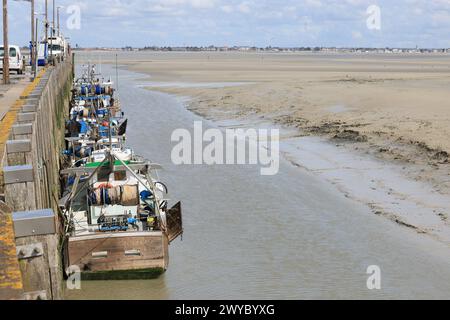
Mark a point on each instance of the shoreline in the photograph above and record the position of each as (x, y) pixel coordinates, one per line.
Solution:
(384, 192)
(422, 162)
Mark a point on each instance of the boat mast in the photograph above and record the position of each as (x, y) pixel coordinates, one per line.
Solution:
(117, 74)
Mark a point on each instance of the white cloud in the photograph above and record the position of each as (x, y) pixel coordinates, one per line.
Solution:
(227, 9)
(441, 18)
(357, 35)
(313, 3)
(202, 4)
(319, 22)
(244, 7)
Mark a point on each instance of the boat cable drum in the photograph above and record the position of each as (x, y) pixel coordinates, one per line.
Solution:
(126, 195)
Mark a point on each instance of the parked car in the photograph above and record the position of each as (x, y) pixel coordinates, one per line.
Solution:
(15, 59)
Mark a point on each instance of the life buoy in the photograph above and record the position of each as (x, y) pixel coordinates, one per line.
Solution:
(164, 187)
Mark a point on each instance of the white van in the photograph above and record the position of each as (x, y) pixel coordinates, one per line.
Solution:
(15, 59)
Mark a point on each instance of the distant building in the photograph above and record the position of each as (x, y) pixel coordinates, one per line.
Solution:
(244, 49)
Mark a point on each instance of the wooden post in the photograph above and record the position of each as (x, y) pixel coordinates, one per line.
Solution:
(33, 40)
(19, 186)
(35, 61)
(59, 30)
(46, 21)
(52, 33)
(39, 254)
(53, 17)
(73, 64)
(5, 43)
(18, 152)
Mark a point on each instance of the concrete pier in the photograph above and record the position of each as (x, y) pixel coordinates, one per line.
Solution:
(31, 136)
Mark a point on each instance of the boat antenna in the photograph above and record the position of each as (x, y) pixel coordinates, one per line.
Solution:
(117, 75)
(89, 71)
(111, 154)
(100, 63)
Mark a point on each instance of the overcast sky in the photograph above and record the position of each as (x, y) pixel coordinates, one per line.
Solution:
(117, 23)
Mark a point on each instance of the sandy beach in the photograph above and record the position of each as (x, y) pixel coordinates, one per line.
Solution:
(393, 107)
(396, 107)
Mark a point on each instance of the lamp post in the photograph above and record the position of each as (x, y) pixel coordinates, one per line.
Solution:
(59, 29)
(53, 8)
(46, 32)
(52, 31)
(46, 21)
(5, 43)
(33, 41)
(36, 58)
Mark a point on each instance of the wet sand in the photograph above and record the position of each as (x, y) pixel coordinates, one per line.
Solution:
(394, 108)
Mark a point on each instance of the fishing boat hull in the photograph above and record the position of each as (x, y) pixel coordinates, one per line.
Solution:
(118, 256)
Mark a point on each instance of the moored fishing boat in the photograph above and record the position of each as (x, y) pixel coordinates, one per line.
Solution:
(118, 220)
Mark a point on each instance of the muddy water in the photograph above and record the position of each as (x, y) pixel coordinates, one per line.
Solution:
(290, 236)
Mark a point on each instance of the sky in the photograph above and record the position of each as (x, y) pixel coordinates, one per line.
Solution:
(286, 23)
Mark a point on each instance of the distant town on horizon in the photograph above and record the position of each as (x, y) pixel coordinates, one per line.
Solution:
(268, 49)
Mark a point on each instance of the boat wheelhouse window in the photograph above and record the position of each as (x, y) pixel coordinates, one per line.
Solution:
(103, 175)
(54, 47)
(120, 176)
(79, 203)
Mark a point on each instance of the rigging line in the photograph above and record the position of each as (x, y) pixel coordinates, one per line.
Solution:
(78, 224)
(152, 187)
(87, 180)
(117, 74)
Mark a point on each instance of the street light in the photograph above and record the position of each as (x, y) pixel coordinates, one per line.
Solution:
(57, 9)
(35, 60)
(53, 8)
(52, 30)
(33, 41)
(46, 21)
